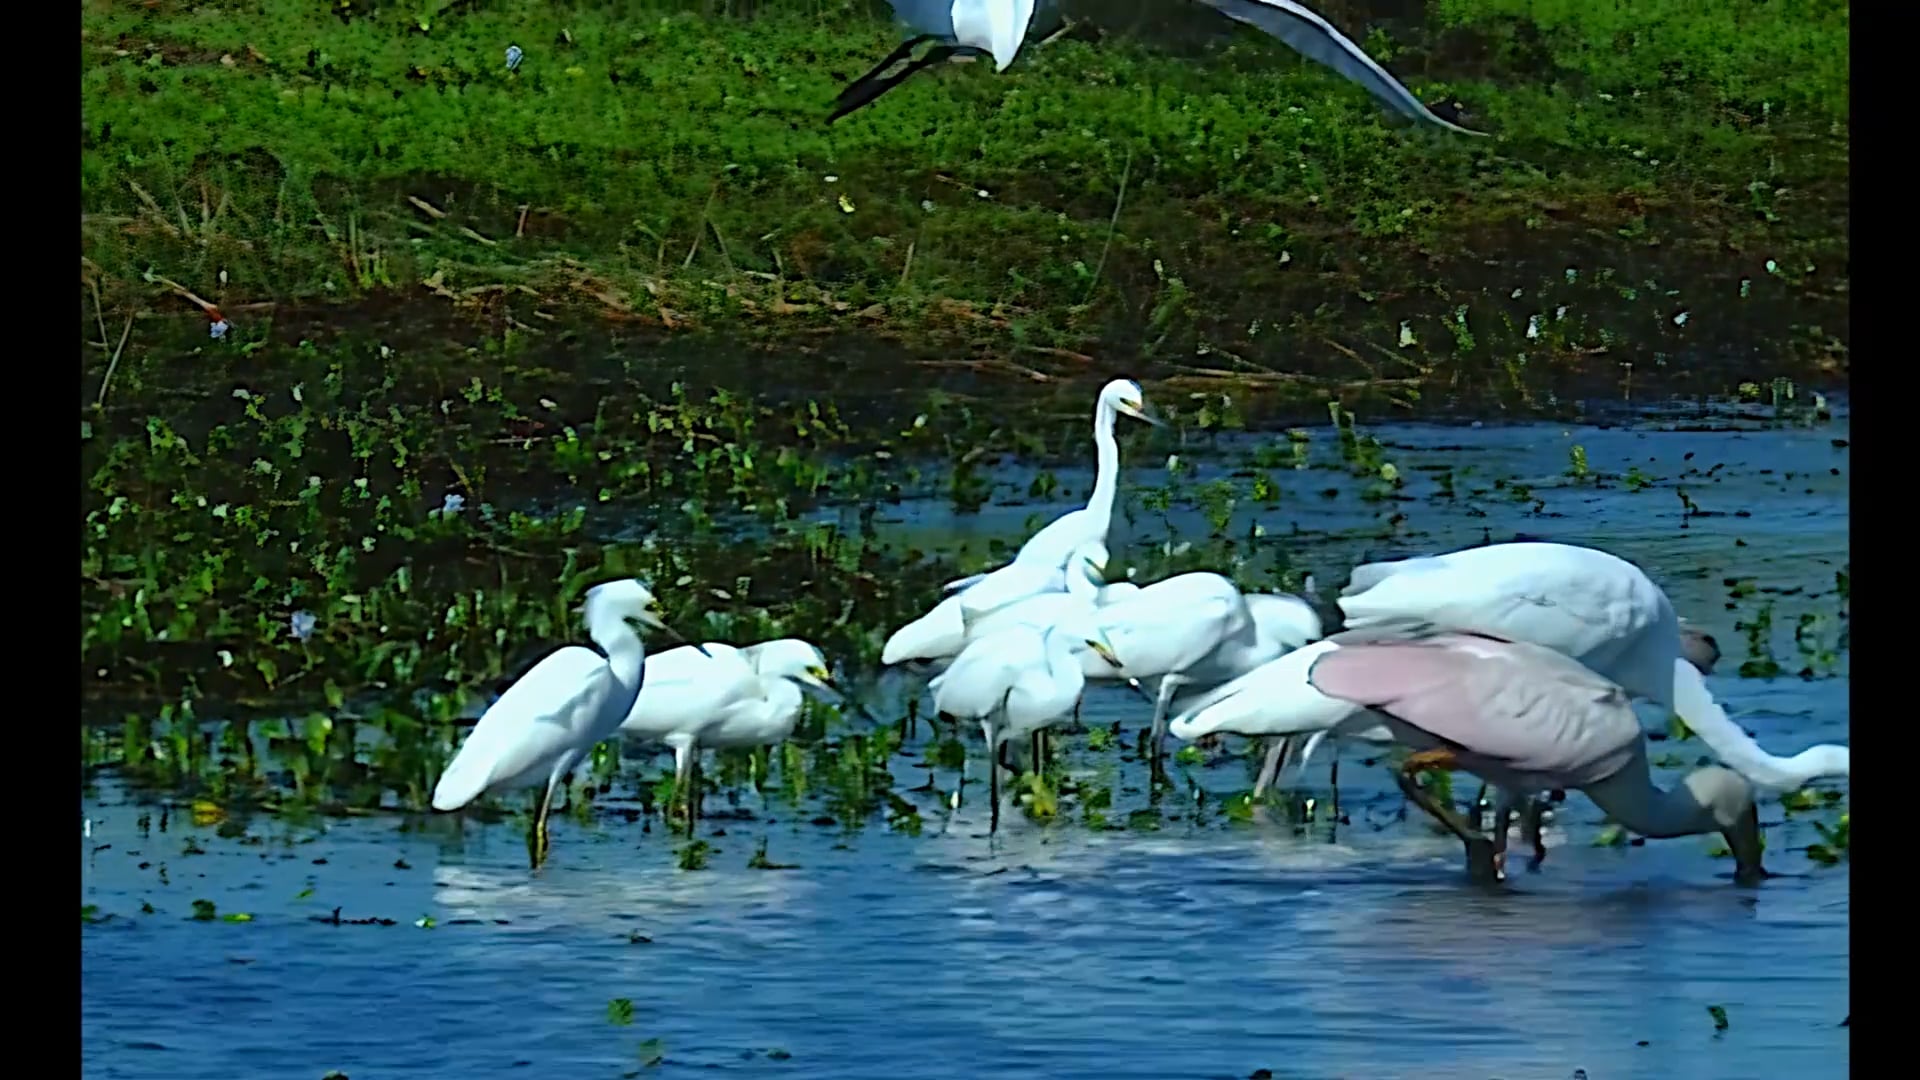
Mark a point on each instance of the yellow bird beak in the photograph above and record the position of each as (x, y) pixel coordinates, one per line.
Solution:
(1105, 653)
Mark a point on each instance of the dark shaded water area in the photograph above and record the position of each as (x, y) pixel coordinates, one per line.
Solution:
(1142, 931)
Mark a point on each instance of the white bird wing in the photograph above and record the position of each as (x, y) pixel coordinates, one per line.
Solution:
(1013, 582)
(939, 633)
(1286, 620)
(960, 583)
(979, 679)
(540, 717)
(1306, 33)
(1272, 699)
(1170, 625)
(1550, 594)
(683, 691)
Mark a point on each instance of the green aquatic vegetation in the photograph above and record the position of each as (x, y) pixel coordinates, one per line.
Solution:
(1760, 662)
(620, 1011)
(693, 855)
(1835, 841)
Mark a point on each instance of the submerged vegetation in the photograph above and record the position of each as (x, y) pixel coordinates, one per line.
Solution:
(1665, 200)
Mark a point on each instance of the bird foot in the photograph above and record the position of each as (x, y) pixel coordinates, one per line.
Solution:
(1428, 760)
(1485, 865)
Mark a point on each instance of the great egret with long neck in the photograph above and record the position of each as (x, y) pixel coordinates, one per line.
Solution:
(1041, 563)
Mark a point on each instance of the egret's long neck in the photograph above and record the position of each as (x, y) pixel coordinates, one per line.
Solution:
(1630, 798)
(1737, 750)
(1061, 657)
(1106, 476)
(785, 697)
(626, 656)
(1080, 586)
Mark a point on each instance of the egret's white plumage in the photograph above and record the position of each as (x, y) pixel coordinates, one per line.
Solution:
(1310, 35)
(1041, 563)
(998, 28)
(550, 718)
(942, 633)
(724, 697)
(783, 666)
(1014, 683)
(1185, 623)
(995, 28)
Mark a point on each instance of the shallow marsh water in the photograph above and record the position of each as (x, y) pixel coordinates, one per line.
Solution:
(1169, 938)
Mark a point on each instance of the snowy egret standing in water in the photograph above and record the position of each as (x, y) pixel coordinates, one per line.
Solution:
(1014, 683)
(1188, 622)
(721, 696)
(550, 718)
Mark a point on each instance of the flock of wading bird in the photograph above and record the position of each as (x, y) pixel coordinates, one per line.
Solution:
(1515, 662)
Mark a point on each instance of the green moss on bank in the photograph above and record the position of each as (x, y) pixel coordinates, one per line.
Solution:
(1668, 180)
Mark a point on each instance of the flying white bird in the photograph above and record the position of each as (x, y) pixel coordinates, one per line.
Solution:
(998, 28)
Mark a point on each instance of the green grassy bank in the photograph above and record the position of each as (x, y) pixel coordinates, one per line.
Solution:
(1667, 184)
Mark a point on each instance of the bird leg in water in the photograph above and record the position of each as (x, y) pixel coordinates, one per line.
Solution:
(685, 757)
(993, 775)
(538, 841)
(1480, 850)
(1531, 814)
(1168, 684)
(1276, 759)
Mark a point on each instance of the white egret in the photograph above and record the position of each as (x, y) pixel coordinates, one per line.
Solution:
(718, 695)
(1040, 564)
(552, 716)
(997, 28)
(785, 667)
(1281, 624)
(944, 632)
(1186, 629)
(1525, 718)
(1306, 33)
(1014, 683)
(993, 28)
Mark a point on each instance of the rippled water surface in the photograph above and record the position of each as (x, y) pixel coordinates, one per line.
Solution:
(1173, 942)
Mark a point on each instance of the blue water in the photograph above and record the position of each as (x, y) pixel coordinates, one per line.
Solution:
(1192, 946)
